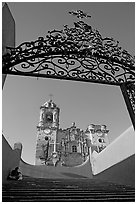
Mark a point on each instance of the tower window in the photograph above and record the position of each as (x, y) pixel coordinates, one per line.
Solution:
(49, 117)
(74, 148)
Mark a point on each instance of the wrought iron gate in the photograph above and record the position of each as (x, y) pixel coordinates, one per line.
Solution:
(78, 53)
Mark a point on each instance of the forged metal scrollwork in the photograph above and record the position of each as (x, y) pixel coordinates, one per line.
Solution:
(131, 94)
(77, 53)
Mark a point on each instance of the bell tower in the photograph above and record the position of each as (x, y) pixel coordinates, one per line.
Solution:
(47, 130)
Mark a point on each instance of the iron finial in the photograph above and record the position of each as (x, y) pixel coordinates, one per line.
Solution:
(79, 14)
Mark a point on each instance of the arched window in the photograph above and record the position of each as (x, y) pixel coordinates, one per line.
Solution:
(74, 148)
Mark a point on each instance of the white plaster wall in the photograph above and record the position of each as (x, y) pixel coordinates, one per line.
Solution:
(119, 150)
(43, 171)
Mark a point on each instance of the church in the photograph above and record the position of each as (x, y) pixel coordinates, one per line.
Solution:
(66, 147)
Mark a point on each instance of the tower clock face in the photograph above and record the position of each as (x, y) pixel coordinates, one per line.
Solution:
(99, 133)
(47, 131)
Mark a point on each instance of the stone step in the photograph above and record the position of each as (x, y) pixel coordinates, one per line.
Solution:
(33, 192)
(65, 190)
(68, 191)
(67, 199)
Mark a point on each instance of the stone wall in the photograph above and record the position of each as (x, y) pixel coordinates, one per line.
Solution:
(10, 158)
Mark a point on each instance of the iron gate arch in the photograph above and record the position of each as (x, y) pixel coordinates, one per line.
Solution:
(77, 53)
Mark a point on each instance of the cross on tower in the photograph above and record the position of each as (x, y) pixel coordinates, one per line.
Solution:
(50, 97)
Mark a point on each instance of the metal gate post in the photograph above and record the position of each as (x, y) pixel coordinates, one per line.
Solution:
(128, 103)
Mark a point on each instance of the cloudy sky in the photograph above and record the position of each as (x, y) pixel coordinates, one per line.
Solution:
(83, 103)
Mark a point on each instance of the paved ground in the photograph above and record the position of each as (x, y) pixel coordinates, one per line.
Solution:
(65, 190)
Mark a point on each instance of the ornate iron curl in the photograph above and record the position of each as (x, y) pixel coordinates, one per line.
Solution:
(131, 93)
(77, 53)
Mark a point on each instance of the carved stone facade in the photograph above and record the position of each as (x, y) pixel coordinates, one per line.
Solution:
(66, 147)
(98, 136)
(72, 146)
(47, 131)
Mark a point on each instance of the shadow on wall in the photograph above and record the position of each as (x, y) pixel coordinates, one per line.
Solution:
(122, 173)
(10, 157)
(116, 163)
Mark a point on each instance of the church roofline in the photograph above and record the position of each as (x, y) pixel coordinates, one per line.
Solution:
(48, 104)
